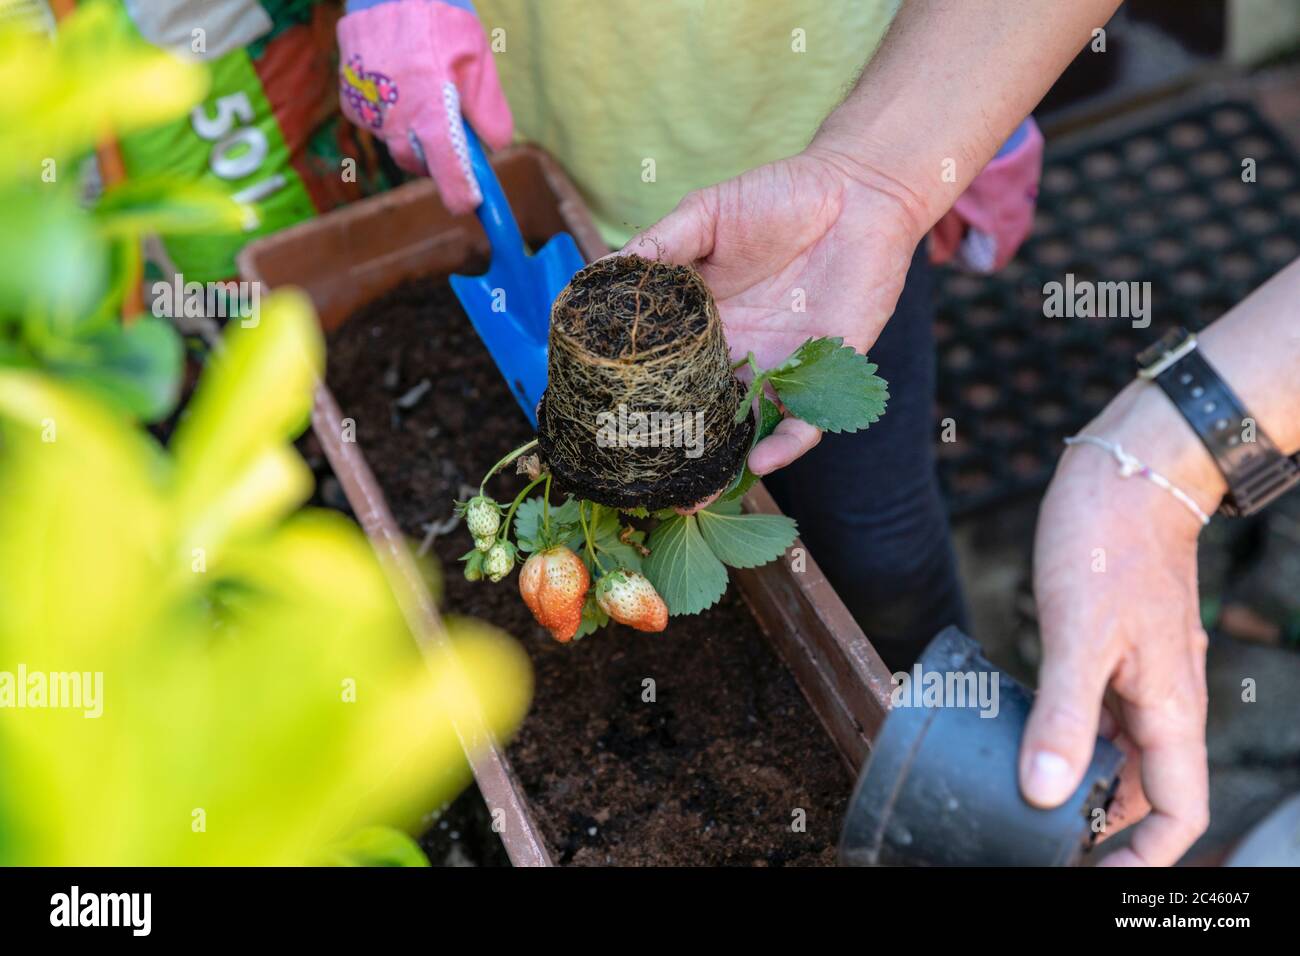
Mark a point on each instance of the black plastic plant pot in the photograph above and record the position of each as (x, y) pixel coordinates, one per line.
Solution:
(941, 785)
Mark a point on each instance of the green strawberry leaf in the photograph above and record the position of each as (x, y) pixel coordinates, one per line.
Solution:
(682, 567)
(725, 506)
(565, 528)
(593, 618)
(606, 532)
(830, 385)
(746, 540)
(528, 522)
(769, 417)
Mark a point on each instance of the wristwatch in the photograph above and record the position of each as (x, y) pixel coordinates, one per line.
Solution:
(1256, 472)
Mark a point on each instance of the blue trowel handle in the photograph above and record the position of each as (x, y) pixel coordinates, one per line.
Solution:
(494, 213)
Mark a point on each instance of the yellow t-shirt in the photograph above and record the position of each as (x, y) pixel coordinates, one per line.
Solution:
(645, 100)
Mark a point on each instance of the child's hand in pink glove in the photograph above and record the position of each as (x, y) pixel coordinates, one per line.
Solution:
(407, 68)
(993, 216)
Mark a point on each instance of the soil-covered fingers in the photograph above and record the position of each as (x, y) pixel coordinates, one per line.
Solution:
(791, 439)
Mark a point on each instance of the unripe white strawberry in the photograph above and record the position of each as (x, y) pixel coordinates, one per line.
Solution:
(499, 561)
(483, 518)
(630, 598)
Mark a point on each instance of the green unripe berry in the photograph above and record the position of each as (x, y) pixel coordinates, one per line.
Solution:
(483, 518)
(499, 561)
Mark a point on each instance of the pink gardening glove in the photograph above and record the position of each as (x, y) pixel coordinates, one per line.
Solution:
(407, 68)
(993, 216)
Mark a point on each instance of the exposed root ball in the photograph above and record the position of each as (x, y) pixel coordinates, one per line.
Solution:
(640, 400)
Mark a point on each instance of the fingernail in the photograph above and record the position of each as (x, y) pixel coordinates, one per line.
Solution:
(1050, 780)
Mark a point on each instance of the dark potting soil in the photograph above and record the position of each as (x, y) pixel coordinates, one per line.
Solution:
(665, 304)
(690, 747)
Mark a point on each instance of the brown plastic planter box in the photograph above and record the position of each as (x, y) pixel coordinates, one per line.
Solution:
(349, 257)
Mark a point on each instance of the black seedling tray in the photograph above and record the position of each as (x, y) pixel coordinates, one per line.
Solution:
(1162, 201)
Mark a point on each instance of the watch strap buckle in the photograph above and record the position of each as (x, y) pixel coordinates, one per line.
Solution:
(1160, 356)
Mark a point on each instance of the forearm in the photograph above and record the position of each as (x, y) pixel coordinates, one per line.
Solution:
(950, 82)
(1255, 348)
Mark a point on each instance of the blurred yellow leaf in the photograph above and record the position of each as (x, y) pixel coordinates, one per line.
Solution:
(93, 79)
(246, 690)
(257, 397)
(142, 206)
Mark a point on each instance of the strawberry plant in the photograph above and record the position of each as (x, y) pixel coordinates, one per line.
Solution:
(650, 564)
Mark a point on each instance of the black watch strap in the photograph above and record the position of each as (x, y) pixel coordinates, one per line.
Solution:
(1256, 472)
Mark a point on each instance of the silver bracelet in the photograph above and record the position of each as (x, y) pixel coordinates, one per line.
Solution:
(1130, 466)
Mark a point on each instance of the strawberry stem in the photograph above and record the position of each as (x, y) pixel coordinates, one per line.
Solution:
(519, 498)
(586, 534)
(546, 508)
(503, 462)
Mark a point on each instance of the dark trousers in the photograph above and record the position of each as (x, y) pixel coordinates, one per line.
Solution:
(868, 504)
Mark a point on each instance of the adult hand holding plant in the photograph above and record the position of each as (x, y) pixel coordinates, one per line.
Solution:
(839, 222)
(812, 246)
(802, 262)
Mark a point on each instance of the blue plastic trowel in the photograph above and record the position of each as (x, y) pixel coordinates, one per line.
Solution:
(510, 304)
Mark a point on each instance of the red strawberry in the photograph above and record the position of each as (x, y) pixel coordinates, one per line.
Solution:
(631, 599)
(554, 585)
